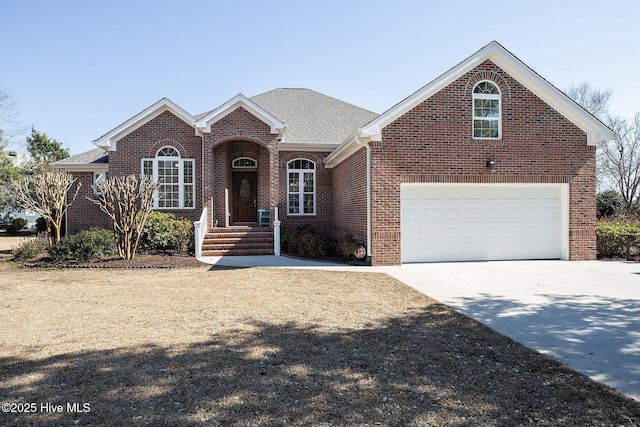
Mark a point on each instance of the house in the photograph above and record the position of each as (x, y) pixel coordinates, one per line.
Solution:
(20, 160)
(489, 161)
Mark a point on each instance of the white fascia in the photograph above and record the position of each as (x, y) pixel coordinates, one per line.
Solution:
(351, 145)
(97, 167)
(108, 140)
(204, 124)
(318, 147)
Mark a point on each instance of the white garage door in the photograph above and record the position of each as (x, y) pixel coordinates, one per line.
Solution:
(483, 222)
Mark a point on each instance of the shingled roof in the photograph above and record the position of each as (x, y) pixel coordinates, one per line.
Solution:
(96, 157)
(310, 117)
(313, 117)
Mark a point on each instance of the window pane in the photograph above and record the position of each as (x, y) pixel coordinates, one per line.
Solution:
(244, 163)
(308, 182)
(486, 108)
(188, 196)
(308, 203)
(147, 167)
(294, 203)
(485, 128)
(294, 184)
(168, 171)
(487, 88)
(168, 152)
(188, 172)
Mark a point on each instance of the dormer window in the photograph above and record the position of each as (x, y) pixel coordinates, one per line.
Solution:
(487, 111)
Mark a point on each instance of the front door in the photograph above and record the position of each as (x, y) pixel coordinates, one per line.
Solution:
(245, 198)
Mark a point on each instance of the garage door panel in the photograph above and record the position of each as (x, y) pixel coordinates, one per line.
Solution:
(480, 222)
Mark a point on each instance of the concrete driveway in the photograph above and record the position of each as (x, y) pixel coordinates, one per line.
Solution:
(584, 314)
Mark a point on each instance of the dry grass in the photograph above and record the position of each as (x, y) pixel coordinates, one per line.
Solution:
(270, 347)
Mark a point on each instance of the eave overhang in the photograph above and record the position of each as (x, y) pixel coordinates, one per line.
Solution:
(108, 141)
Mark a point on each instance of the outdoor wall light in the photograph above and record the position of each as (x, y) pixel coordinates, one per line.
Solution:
(491, 165)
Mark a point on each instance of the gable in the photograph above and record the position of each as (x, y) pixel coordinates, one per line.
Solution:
(205, 122)
(595, 130)
(108, 141)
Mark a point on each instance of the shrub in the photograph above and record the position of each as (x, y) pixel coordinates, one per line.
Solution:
(164, 232)
(608, 203)
(41, 225)
(16, 225)
(28, 249)
(610, 236)
(84, 245)
(347, 246)
(305, 241)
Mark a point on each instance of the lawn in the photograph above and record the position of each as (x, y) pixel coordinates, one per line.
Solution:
(268, 347)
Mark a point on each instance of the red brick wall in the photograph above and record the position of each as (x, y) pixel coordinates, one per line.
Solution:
(321, 221)
(83, 214)
(144, 142)
(350, 197)
(239, 134)
(433, 143)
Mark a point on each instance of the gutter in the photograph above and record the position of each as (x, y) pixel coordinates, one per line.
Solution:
(368, 147)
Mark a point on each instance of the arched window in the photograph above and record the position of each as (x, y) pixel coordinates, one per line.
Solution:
(244, 162)
(176, 177)
(487, 111)
(301, 187)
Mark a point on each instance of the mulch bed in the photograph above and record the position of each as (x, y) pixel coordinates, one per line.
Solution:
(139, 261)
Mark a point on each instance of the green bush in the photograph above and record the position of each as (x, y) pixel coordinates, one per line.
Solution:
(610, 236)
(16, 225)
(306, 241)
(28, 249)
(164, 232)
(84, 245)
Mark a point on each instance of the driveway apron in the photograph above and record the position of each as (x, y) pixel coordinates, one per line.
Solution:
(585, 314)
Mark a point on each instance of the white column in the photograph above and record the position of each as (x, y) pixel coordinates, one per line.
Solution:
(276, 232)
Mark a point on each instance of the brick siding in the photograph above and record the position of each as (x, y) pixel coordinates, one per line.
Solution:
(83, 214)
(144, 142)
(350, 197)
(321, 221)
(433, 143)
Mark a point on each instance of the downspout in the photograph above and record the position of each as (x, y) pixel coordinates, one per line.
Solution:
(368, 147)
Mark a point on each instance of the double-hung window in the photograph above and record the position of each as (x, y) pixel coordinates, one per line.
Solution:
(487, 111)
(176, 178)
(301, 187)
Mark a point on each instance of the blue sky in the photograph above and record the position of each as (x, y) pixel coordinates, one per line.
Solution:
(77, 69)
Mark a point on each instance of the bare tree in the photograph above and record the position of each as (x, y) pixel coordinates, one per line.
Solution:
(593, 100)
(46, 193)
(9, 125)
(127, 200)
(619, 160)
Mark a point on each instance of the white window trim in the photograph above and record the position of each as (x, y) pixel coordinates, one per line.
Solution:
(95, 181)
(181, 184)
(301, 192)
(497, 97)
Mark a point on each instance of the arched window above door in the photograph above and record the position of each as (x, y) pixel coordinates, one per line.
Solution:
(244, 162)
